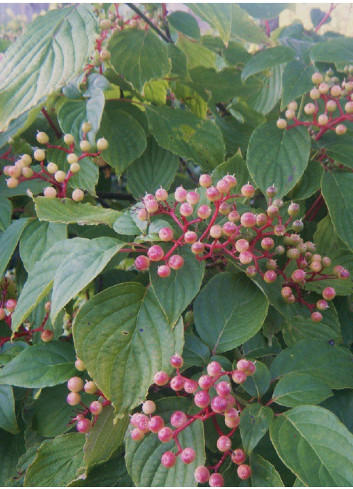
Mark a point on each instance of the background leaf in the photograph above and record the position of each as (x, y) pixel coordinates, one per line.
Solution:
(254, 423)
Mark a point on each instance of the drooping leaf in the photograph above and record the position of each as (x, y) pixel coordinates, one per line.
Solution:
(263, 473)
(8, 241)
(254, 423)
(266, 59)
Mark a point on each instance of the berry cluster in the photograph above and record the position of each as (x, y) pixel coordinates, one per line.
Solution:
(214, 398)
(57, 179)
(75, 385)
(326, 111)
(254, 241)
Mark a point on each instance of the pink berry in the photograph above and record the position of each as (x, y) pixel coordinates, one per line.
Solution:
(192, 197)
(155, 424)
(213, 194)
(201, 474)
(134, 420)
(242, 365)
(239, 377)
(223, 389)
(261, 220)
(229, 228)
(202, 399)
(316, 316)
(222, 186)
(216, 231)
(214, 368)
(161, 378)
(163, 271)
(231, 180)
(267, 243)
(176, 361)
(142, 214)
(232, 418)
(245, 257)
(322, 305)
(197, 248)
(224, 208)
(47, 335)
(270, 276)
(161, 194)
(165, 434)
(2, 313)
(168, 459)
(251, 368)
(190, 386)
(251, 271)
(244, 471)
(96, 407)
(205, 382)
(84, 425)
(188, 455)
(234, 216)
(329, 293)
(238, 456)
(190, 237)
(79, 365)
(90, 387)
(293, 209)
(151, 206)
(205, 180)
(143, 423)
(186, 209)
(272, 211)
(137, 434)
(216, 480)
(155, 253)
(149, 407)
(11, 304)
(298, 276)
(142, 263)
(178, 419)
(177, 383)
(176, 262)
(344, 274)
(230, 401)
(224, 444)
(75, 384)
(204, 211)
(248, 220)
(73, 398)
(180, 194)
(248, 190)
(165, 234)
(219, 404)
(242, 245)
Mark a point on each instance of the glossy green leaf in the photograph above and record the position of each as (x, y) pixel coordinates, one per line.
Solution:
(34, 66)
(266, 59)
(338, 50)
(195, 353)
(57, 462)
(8, 242)
(141, 342)
(218, 15)
(295, 389)
(80, 268)
(254, 423)
(139, 56)
(278, 157)
(8, 420)
(258, 384)
(178, 60)
(5, 213)
(300, 328)
(186, 135)
(223, 85)
(196, 54)
(315, 445)
(296, 81)
(308, 184)
(228, 311)
(235, 165)
(268, 91)
(41, 365)
(263, 473)
(184, 23)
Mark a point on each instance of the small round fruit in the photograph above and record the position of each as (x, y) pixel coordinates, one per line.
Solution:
(155, 424)
(298, 276)
(142, 263)
(201, 474)
(178, 419)
(244, 471)
(77, 195)
(197, 248)
(186, 209)
(213, 194)
(192, 198)
(73, 398)
(224, 444)
(69, 139)
(60, 176)
(84, 425)
(248, 220)
(309, 109)
(316, 316)
(47, 335)
(336, 91)
(180, 194)
(90, 387)
(75, 384)
(322, 120)
(219, 404)
(52, 168)
(248, 190)
(39, 155)
(75, 168)
(96, 407)
(168, 459)
(290, 114)
(324, 88)
(176, 361)
(223, 389)
(72, 158)
(190, 386)
(12, 182)
(205, 180)
(165, 434)
(204, 211)
(202, 399)
(161, 194)
(161, 378)
(315, 94)
(149, 407)
(79, 365)
(42, 138)
(188, 455)
(49, 192)
(239, 377)
(102, 144)
(329, 293)
(238, 456)
(176, 262)
(331, 106)
(105, 55)
(85, 146)
(317, 78)
(216, 480)
(190, 237)
(163, 271)
(214, 368)
(137, 435)
(86, 127)
(26, 160)
(281, 123)
(341, 129)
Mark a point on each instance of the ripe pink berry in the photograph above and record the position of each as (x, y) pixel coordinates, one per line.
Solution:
(238, 456)
(161, 378)
(214, 368)
(176, 262)
(190, 386)
(155, 253)
(192, 197)
(261, 220)
(239, 377)
(270, 276)
(96, 407)
(75, 384)
(244, 471)
(213, 194)
(271, 191)
(234, 216)
(205, 180)
(248, 220)
(329, 293)
(186, 209)
(216, 231)
(151, 205)
(242, 245)
(242, 365)
(205, 382)
(216, 480)
(202, 399)
(163, 271)
(248, 190)
(176, 361)
(73, 398)
(316, 316)
(231, 180)
(2, 313)
(219, 404)
(165, 234)
(165, 434)
(204, 211)
(135, 418)
(177, 383)
(224, 208)
(201, 474)
(190, 237)
(155, 424)
(344, 274)
(11, 304)
(84, 425)
(90, 387)
(149, 407)
(197, 248)
(251, 368)
(137, 434)
(229, 228)
(245, 257)
(142, 263)
(223, 389)
(298, 276)
(230, 401)
(180, 194)
(222, 186)
(267, 243)
(188, 455)
(322, 305)
(161, 194)
(143, 423)
(168, 459)
(232, 418)
(178, 419)
(224, 444)
(251, 271)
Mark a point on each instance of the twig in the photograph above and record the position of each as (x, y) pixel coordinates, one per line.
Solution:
(323, 20)
(58, 133)
(149, 22)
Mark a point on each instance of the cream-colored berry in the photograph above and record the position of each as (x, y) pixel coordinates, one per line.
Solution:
(336, 91)
(39, 155)
(324, 88)
(12, 182)
(341, 129)
(322, 120)
(314, 94)
(317, 78)
(52, 168)
(281, 123)
(50, 192)
(331, 106)
(102, 144)
(86, 127)
(292, 106)
(105, 24)
(85, 146)
(349, 107)
(349, 86)
(309, 109)
(75, 168)
(77, 195)
(290, 114)
(27, 172)
(68, 139)
(60, 176)
(72, 158)
(14, 171)
(42, 138)
(26, 159)
(105, 55)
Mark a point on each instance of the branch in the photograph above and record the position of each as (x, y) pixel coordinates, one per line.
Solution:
(149, 22)
(325, 17)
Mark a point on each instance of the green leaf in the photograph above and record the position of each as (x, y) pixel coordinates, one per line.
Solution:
(186, 135)
(178, 60)
(8, 242)
(8, 420)
(300, 328)
(196, 54)
(109, 474)
(192, 99)
(235, 165)
(143, 459)
(268, 91)
(265, 11)
(278, 157)
(40, 279)
(308, 184)
(263, 473)
(184, 23)
(337, 192)
(11, 449)
(244, 27)
(254, 423)
(296, 388)
(129, 224)
(141, 342)
(218, 15)
(341, 404)
(35, 186)
(223, 85)
(80, 268)
(139, 56)
(228, 311)
(266, 59)
(34, 66)
(105, 437)
(195, 353)
(57, 462)
(315, 445)
(156, 167)
(177, 291)
(5, 213)
(258, 384)
(318, 358)
(333, 51)
(296, 81)
(37, 238)
(68, 211)
(41, 365)
(126, 137)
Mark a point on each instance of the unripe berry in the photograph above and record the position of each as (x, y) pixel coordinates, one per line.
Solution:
(280, 250)
(186, 209)
(341, 129)
(309, 109)
(329, 293)
(271, 191)
(197, 248)
(213, 194)
(317, 78)
(75, 384)
(161, 194)
(73, 398)
(322, 305)
(314, 94)
(202, 399)
(176, 262)
(293, 209)
(245, 257)
(251, 271)
(26, 160)
(349, 107)
(315, 266)
(238, 456)
(75, 168)
(239, 377)
(242, 365)
(96, 407)
(155, 424)
(298, 276)
(219, 404)
(12, 182)
(216, 480)
(52, 167)
(224, 444)
(190, 386)
(192, 198)
(223, 389)
(14, 171)
(231, 180)
(165, 434)
(316, 316)
(39, 155)
(60, 176)
(336, 91)
(290, 114)
(204, 211)
(267, 243)
(105, 55)
(270, 276)
(248, 220)
(331, 106)
(234, 216)
(72, 158)
(326, 261)
(190, 237)
(161, 378)
(151, 205)
(165, 234)
(163, 271)
(142, 263)
(222, 186)
(178, 419)
(188, 455)
(324, 88)
(180, 194)
(137, 435)
(272, 211)
(85, 146)
(232, 414)
(86, 127)
(242, 245)
(248, 190)
(292, 106)
(68, 139)
(47, 335)
(293, 254)
(168, 459)
(224, 209)
(244, 471)
(155, 253)
(205, 180)
(322, 119)
(27, 172)
(201, 474)
(281, 123)
(79, 365)
(216, 231)
(77, 195)
(90, 387)
(229, 228)
(251, 369)
(84, 425)
(102, 144)
(214, 368)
